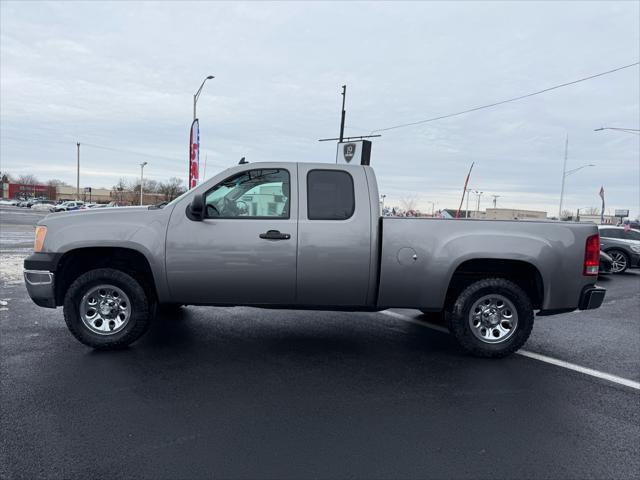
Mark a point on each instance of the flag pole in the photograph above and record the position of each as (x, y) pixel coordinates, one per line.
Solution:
(464, 190)
(602, 210)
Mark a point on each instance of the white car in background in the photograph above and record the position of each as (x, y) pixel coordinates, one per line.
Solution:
(44, 206)
(13, 203)
(68, 206)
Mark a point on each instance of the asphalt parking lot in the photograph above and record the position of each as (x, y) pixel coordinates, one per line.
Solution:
(250, 393)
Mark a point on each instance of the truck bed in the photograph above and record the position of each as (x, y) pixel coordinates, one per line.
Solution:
(419, 257)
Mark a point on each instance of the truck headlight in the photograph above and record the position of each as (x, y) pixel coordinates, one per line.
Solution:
(635, 248)
(41, 232)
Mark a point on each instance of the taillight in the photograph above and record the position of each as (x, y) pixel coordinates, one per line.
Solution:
(592, 255)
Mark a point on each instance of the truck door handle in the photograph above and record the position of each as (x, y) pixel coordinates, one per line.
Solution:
(275, 235)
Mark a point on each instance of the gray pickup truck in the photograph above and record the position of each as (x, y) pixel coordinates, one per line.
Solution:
(307, 236)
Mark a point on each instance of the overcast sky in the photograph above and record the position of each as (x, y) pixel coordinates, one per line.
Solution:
(122, 74)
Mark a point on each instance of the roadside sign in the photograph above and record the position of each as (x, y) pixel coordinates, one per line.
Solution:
(356, 152)
(621, 213)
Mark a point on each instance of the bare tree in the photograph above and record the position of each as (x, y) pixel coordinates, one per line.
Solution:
(28, 179)
(151, 186)
(409, 203)
(121, 191)
(172, 188)
(54, 182)
(566, 215)
(590, 211)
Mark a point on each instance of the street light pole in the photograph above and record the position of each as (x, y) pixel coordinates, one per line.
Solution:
(466, 213)
(197, 94)
(564, 175)
(433, 208)
(78, 173)
(141, 180)
(383, 197)
(478, 195)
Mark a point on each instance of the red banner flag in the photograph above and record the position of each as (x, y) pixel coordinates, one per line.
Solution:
(194, 154)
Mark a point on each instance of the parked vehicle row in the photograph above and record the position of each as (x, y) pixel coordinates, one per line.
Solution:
(51, 206)
(622, 244)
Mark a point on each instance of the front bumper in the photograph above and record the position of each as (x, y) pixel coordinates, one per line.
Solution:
(41, 287)
(591, 297)
(39, 278)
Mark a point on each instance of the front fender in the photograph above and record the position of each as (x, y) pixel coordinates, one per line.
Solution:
(137, 229)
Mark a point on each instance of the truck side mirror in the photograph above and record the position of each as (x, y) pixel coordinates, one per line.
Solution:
(196, 207)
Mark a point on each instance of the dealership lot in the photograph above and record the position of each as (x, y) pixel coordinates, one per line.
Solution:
(241, 392)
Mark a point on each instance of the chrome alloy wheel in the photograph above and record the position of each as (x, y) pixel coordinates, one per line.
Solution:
(619, 261)
(493, 318)
(105, 309)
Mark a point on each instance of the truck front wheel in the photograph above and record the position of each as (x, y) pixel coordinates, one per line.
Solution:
(106, 309)
(492, 318)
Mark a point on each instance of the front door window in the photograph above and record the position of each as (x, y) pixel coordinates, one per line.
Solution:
(260, 193)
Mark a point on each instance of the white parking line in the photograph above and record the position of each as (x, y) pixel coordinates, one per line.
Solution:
(536, 356)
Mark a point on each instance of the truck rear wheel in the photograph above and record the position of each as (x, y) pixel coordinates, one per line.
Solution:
(492, 318)
(106, 309)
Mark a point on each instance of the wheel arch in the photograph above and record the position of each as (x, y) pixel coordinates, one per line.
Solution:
(75, 262)
(523, 273)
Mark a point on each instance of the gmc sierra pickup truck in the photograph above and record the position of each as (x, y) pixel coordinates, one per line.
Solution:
(307, 236)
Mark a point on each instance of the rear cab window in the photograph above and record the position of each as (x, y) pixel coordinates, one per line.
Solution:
(330, 195)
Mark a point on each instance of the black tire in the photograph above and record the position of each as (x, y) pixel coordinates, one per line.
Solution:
(139, 320)
(615, 252)
(459, 325)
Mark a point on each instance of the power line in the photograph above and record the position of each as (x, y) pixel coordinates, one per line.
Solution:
(122, 150)
(495, 104)
(633, 131)
(102, 147)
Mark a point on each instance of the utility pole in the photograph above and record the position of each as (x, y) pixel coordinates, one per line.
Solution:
(564, 175)
(382, 197)
(141, 179)
(344, 113)
(78, 173)
(495, 200)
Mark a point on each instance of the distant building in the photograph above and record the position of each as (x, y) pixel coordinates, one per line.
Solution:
(513, 214)
(608, 219)
(497, 214)
(21, 191)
